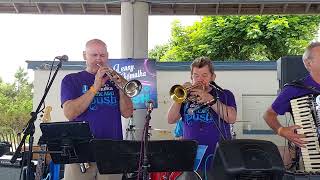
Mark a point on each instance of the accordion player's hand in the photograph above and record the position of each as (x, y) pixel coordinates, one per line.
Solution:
(290, 134)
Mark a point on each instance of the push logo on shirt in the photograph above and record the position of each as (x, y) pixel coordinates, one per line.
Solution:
(201, 115)
(104, 97)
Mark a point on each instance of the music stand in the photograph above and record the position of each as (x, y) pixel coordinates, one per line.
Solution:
(115, 156)
(67, 142)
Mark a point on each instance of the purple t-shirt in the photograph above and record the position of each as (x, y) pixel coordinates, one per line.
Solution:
(103, 114)
(281, 104)
(202, 127)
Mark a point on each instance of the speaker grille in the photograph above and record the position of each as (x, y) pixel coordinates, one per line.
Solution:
(255, 158)
(253, 176)
(247, 159)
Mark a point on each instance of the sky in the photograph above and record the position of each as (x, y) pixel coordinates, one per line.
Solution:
(43, 37)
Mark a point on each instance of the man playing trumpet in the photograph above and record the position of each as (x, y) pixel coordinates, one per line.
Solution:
(209, 124)
(91, 96)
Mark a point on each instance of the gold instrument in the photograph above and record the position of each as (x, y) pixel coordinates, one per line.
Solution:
(181, 93)
(130, 88)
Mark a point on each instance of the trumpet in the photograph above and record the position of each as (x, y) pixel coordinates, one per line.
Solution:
(130, 88)
(181, 94)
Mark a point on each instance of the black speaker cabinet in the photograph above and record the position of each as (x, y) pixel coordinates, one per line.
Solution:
(244, 159)
(290, 68)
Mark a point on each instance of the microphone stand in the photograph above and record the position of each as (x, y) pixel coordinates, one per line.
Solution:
(211, 111)
(30, 128)
(215, 123)
(146, 164)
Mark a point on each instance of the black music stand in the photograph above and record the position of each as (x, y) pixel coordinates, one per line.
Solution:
(115, 156)
(67, 142)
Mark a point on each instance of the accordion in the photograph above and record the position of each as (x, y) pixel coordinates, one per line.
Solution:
(306, 114)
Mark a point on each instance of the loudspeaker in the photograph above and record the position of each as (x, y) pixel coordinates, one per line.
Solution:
(247, 159)
(290, 68)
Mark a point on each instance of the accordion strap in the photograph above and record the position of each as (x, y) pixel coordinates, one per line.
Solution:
(299, 83)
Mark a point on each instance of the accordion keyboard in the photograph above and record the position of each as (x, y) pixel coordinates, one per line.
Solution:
(304, 111)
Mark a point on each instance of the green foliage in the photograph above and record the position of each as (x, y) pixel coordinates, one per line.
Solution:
(239, 38)
(16, 102)
(158, 51)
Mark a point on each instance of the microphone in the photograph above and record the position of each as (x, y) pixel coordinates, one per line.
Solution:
(191, 111)
(149, 105)
(214, 85)
(64, 58)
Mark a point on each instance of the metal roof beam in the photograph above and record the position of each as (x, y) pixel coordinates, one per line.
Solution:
(61, 8)
(15, 7)
(106, 8)
(165, 1)
(38, 8)
(217, 8)
(284, 8)
(239, 8)
(159, 7)
(318, 7)
(83, 7)
(261, 8)
(173, 8)
(229, 1)
(307, 8)
(64, 1)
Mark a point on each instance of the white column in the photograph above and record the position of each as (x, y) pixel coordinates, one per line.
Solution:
(134, 44)
(134, 29)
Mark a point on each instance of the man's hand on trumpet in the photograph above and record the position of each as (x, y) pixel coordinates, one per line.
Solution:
(106, 73)
(187, 84)
(202, 95)
(100, 78)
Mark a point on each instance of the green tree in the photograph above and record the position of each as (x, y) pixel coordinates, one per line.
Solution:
(159, 51)
(239, 38)
(16, 101)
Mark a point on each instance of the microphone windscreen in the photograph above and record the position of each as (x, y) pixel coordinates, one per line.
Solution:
(62, 58)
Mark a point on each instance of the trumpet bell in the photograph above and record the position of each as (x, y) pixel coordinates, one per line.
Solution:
(132, 88)
(178, 93)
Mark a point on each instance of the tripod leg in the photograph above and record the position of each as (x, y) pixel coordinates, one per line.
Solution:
(133, 136)
(130, 130)
(126, 134)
